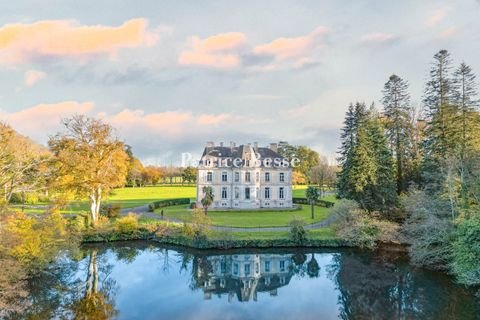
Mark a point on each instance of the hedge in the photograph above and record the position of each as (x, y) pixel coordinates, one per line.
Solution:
(322, 203)
(167, 203)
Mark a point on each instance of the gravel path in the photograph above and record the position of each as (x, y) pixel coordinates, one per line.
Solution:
(142, 211)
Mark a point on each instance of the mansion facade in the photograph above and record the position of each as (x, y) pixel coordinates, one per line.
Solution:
(245, 177)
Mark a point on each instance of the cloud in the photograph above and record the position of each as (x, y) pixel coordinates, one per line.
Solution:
(379, 38)
(297, 50)
(220, 51)
(33, 76)
(436, 17)
(23, 43)
(42, 119)
(448, 33)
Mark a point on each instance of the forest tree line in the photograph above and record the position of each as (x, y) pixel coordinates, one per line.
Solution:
(414, 175)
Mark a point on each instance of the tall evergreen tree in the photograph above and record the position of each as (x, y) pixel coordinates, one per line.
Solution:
(465, 97)
(440, 109)
(441, 136)
(398, 115)
(367, 167)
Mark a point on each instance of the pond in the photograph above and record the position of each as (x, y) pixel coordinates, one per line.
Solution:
(143, 280)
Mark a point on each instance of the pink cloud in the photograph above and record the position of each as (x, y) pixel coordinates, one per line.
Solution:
(436, 17)
(218, 51)
(448, 33)
(33, 76)
(42, 119)
(299, 50)
(21, 43)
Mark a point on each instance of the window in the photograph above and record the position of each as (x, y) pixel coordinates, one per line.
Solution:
(257, 176)
(267, 193)
(237, 176)
(247, 176)
(267, 266)
(209, 176)
(267, 176)
(257, 267)
(223, 267)
(235, 268)
(282, 266)
(282, 177)
(224, 193)
(281, 193)
(247, 193)
(237, 193)
(224, 176)
(247, 163)
(247, 269)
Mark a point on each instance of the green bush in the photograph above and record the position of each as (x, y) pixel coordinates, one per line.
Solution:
(28, 197)
(110, 210)
(319, 202)
(297, 231)
(127, 224)
(466, 251)
(167, 203)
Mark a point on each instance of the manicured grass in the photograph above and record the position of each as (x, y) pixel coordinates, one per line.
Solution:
(128, 198)
(250, 218)
(299, 192)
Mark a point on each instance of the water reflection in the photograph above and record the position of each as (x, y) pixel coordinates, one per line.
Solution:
(144, 281)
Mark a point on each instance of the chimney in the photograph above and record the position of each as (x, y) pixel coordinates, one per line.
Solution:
(255, 146)
(210, 146)
(232, 145)
(273, 147)
(221, 144)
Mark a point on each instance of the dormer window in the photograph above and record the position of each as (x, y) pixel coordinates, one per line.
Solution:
(208, 162)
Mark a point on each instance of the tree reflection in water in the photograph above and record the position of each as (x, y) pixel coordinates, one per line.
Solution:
(378, 285)
(381, 285)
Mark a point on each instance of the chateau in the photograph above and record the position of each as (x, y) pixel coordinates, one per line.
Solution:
(245, 176)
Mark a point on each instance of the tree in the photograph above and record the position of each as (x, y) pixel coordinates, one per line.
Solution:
(465, 97)
(324, 174)
(135, 175)
(367, 168)
(312, 194)
(22, 164)
(189, 174)
(208, 198)
(89, 161)
(399, 129)
(308, 158)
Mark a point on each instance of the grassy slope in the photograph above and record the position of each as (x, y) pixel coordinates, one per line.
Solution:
(249, 219)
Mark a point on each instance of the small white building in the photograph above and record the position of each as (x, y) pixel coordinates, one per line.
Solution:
(245, 177)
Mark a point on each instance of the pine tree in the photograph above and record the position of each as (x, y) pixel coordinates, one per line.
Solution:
(398, 116)
(465, 97)
(440, 109)
(441, 136)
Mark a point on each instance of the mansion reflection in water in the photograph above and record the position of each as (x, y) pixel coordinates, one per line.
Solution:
(242, 275)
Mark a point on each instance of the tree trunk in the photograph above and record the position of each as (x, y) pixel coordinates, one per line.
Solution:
(95, 199)
(313, 215)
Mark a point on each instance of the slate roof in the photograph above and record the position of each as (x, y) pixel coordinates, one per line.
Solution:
(237, 152)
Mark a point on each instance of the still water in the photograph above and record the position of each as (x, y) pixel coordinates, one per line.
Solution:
(148, 281)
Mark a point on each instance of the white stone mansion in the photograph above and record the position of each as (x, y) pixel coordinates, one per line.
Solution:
(245, 177)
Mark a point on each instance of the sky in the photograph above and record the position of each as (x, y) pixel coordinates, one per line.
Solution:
(172, 75)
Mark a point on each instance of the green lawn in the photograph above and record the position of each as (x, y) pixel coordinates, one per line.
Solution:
(249, 219)
(128, 198)
(318, 234)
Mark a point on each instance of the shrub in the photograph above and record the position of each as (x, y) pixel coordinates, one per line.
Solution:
(167, 203)
(110, 210)
(27, 198)
(466, 251)
(127, 224)
(319, 202)
(297, 231)
(361, 228)
(428, 228)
